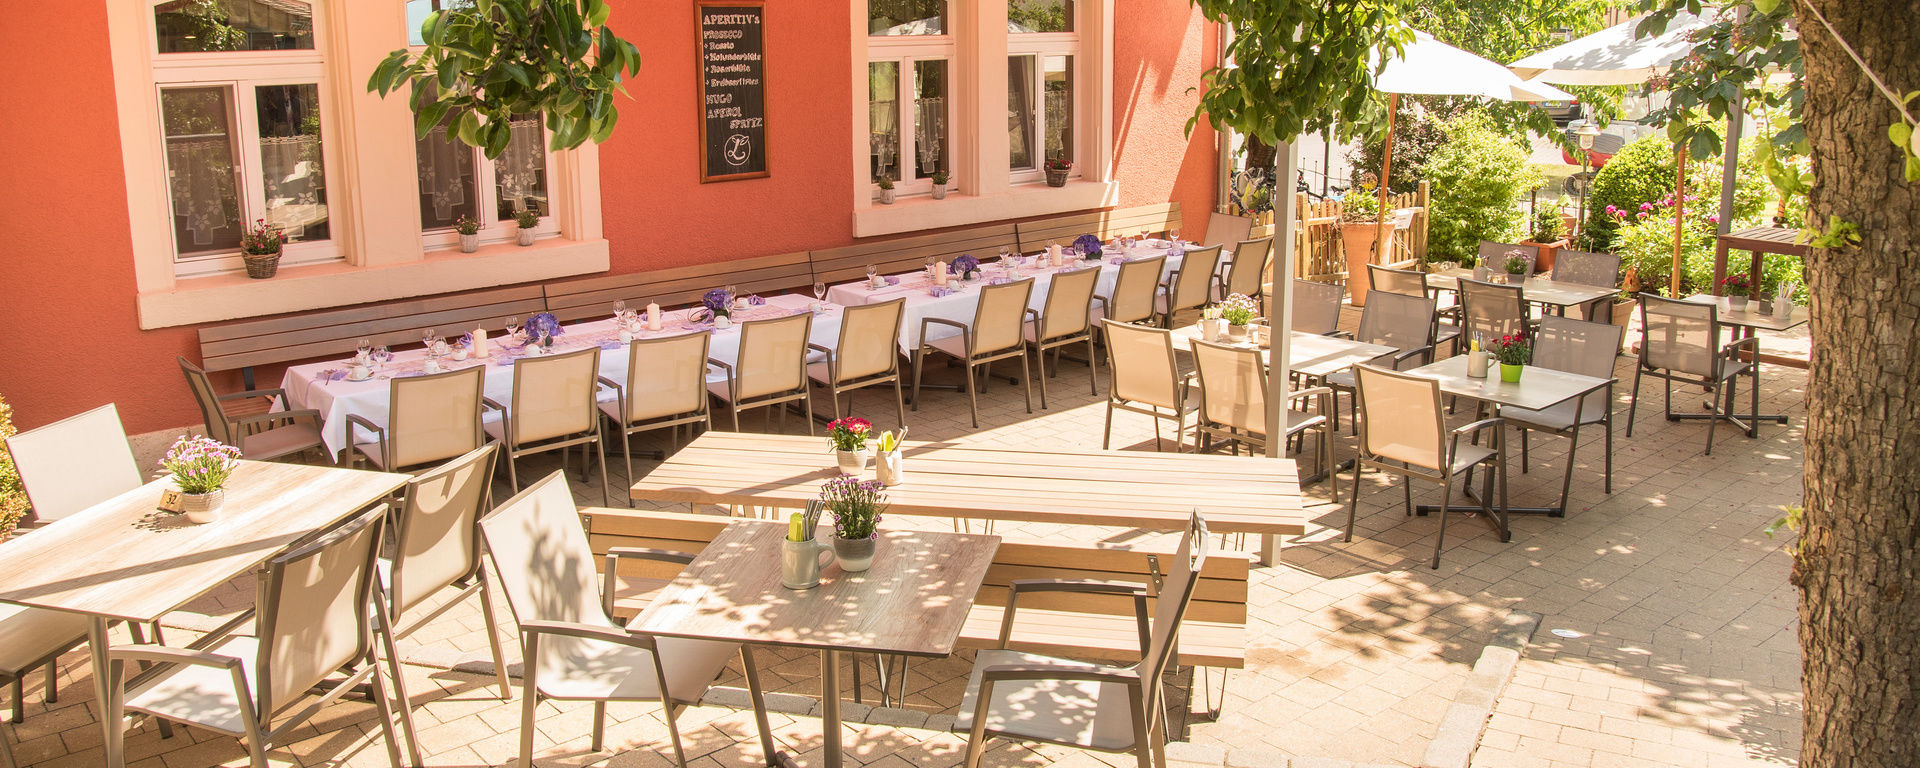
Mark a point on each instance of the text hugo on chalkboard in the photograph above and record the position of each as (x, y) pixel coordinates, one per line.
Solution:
(733, 99)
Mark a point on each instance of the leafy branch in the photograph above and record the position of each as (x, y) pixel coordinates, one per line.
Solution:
(487, 60)
(1300, 66)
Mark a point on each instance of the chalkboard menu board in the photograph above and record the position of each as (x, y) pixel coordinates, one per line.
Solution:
(733, 90)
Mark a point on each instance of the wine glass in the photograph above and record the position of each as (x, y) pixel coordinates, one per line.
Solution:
(361, 348)
(619, 310)
(512, 325)
(1174, 235)
(930, 262)
(381, 355)
(819, 291)
(872, 272)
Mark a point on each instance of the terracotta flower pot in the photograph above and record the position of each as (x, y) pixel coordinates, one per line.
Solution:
(1356, 239)
(1547, 251)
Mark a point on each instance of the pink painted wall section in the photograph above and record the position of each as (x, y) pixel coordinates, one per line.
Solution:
(658, 214)
(1161, 49)
(66, 263)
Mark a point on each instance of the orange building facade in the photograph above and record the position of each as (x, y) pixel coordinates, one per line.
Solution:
(108, 275)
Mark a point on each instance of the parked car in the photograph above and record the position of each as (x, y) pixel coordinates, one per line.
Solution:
(1562, 112)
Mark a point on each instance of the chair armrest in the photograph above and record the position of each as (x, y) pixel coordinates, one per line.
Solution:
(1106, 306)
(1032, 314)
(167, 654)
(1401, 357)
(488, 402)
(618, 391)
(1085, 586)
(1477, 426)
(276, 393)
(821, 349)
(928, 321)
(1003, 672)
(585, 631)
(722, 365)
(258, 418)
(1338, 334)
(1750, 341)
(356, 420)
(1310, 392)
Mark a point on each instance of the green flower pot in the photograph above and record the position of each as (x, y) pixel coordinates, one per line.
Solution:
(1511, 373)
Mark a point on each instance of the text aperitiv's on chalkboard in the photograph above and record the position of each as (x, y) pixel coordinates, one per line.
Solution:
(733, 93)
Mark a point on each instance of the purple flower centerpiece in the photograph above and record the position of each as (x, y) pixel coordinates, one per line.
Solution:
(542, 327)
(719, 302)
(964, 265)
(1088, 246)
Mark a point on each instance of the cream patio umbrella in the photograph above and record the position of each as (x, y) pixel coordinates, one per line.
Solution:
(1429, 67)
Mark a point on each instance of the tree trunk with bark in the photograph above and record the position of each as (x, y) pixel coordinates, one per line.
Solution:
(1858, 566)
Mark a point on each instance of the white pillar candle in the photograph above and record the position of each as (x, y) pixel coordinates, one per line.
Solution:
(479, 342)
(940, 273)
(653, 316)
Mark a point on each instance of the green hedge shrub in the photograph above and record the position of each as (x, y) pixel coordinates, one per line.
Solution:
(1479, 177)
(13, 497)
(1642, 174)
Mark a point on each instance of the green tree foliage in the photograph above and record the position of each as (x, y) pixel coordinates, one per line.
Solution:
(487, 61)
(1642, 174)
(1417, 132)
(1300, 66)
(1731, 61)
(1479, 177)
(13, 496)
(1508, 30)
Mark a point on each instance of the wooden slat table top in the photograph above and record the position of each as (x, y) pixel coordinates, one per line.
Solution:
(1309, 354)
(1539, 289)
(914, 600)
(1753, 318)
(124, 559)
(1764, 240)
(1134, 489)
(1537, 388)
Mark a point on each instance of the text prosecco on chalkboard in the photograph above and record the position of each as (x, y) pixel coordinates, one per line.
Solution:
(733, 95)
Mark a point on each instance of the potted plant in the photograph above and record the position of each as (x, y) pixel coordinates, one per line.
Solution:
(1514, 354)
(469, 229)
(940, 179)
(856, 506)
(1515, 267)
(527, 220)
(966, 266)
(1359, 225)
(1547, 235)
(199, 468)
(260, 249)
(1057, 169)
(1737, 288)
(886, 190)
(849, 436)
(1238, 310)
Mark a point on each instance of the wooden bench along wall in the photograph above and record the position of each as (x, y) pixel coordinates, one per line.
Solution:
(594, 297)
(1038, 234)
(839, 265)
(1072, 625)
(307, 335)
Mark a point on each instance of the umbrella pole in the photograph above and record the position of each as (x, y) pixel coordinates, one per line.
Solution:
(1679, 216)
(1386, 169)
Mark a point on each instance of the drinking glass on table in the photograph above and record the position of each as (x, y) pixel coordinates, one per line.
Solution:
(512, 325)
(1174, 235)
(361, 348)
(930, 262)
(620, 311)
(819, 291)
(872, 272)
(382, 355)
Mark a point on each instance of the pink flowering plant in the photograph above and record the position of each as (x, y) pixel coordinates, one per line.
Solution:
(850, 433)
(855, 505)
(1238, 309)
(200, 464)
(262, 239)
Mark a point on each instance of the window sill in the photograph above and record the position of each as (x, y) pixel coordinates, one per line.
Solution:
(923, 212)
(337, 284)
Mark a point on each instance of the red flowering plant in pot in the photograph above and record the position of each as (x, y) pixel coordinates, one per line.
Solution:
(1737, 289)
(849, 437)
(1057, 169)
(1514, 353)
(260, 249)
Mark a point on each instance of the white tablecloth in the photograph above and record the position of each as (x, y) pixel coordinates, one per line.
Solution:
(335, 397)
(916, 288)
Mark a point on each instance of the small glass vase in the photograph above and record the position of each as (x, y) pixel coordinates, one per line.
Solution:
(1510, 373)
(1736, 303)
(854, 555)
(202, 508)
(851, 462)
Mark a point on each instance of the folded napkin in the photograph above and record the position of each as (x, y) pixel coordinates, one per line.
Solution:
(466, 340)
(755, 301)
(1117, 260)
(893, 279)
(940, 290)
(1000, 281)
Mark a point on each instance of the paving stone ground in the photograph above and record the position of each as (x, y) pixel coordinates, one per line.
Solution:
(1667, 635)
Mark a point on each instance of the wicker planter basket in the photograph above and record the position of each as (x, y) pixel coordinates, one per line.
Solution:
(261, 267)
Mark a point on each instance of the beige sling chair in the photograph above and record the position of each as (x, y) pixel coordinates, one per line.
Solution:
(868, 355)
(1066, 319)
(993, 335)
(665, 388)
(429, 419)
(1403, 431)
(259, 436)
(554, 408)
(771, 369)
(1142, 377)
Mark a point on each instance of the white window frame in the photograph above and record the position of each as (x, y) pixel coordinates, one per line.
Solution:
(240, 72)
(487, 201)
(904, 51)
(1041, 45)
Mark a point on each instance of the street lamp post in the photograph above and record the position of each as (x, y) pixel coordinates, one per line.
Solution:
(1587, 132)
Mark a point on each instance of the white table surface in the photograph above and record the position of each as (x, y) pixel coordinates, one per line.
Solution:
(1539, 289)
(336, 398)
(1538, 388)
(1308, 354)
(916, 288)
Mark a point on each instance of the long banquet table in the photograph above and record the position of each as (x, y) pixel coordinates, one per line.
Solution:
(320, 386)
(1137, 489)
(916, 288)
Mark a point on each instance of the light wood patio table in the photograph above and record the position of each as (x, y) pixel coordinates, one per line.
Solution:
(124, 560)
(1538, 388)
(1308, 354)
(1137, 489)
(913, 601)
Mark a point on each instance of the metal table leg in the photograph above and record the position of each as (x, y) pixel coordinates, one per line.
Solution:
(107, 695)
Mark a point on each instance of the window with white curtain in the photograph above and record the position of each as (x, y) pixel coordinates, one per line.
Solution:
(242, 121)
(1042, 44)
(909, 67)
